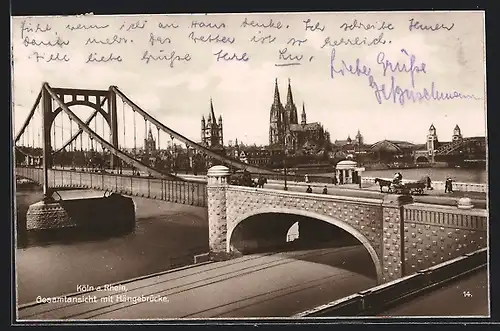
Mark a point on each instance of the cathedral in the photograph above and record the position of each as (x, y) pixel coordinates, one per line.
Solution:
(211, 130)
(286, 131)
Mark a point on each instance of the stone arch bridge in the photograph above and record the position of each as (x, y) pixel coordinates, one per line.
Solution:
(402, 237)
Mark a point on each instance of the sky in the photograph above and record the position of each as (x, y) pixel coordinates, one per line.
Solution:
(242, 91)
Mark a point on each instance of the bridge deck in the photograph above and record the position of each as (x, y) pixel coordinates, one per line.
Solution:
(272, 285)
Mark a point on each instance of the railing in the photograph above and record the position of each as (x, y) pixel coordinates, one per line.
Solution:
(446, 216)
(184, 192)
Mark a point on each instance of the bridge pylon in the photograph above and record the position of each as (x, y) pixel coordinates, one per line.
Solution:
(49, 113)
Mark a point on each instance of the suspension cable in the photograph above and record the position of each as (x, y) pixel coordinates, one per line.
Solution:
(28, 128)
(103, 132)
(41, 121)
(135, 135)
(145, 134)
(158, 137)
(123, 114)
(62, 128)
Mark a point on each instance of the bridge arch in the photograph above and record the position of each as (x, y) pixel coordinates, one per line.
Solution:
(327, 219)
(87, 103)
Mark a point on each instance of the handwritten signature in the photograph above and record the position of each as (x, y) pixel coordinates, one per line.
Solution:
(393, 92)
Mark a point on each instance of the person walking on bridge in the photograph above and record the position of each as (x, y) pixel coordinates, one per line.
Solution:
(325, 190)
(309, 189)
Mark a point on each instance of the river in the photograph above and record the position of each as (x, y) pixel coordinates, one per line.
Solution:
(165, 234)
(436, 174)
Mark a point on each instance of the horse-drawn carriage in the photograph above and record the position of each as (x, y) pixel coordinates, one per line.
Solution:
(244, 178)
(411, 188)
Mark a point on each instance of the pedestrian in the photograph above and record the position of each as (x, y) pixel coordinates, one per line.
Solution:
(429, 187)
(309, 189)
(447, 185)
(450, 185)
(306, 178)
(325, 190)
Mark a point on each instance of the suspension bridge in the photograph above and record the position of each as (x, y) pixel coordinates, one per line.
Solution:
(241, 220)
(52, 131)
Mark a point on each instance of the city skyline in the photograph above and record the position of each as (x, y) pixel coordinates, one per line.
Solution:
(243, 92)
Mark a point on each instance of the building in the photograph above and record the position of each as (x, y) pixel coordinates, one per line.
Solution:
(285, 130)
(212, 130)
(392, 152)
(351, 146)
(456, 151)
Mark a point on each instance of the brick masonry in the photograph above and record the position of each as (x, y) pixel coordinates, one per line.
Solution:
(436, 234)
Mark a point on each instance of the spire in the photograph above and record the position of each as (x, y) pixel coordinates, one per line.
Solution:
(276, 92)
(289, 97)
(457, 127)
(303, 115)
(212, 113)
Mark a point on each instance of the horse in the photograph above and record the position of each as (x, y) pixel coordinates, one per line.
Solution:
(382, 183)
(261, 181)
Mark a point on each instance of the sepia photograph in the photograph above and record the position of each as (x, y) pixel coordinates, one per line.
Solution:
(250, 166)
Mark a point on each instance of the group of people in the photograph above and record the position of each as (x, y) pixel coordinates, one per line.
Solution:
(309, 189)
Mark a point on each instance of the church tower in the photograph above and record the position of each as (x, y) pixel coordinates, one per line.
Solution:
(290, 109)
(211, 134)
(276, 118)
(359, 138)
(457, 133)
(149, 143)
(432, 141)
(203, 124)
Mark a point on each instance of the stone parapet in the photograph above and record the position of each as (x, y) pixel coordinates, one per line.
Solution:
(435, 234)
(217, 184)
(392, 245)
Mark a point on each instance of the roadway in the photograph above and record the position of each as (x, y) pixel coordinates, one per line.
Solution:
(264, 285)
(465, 297)
(367, 191)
